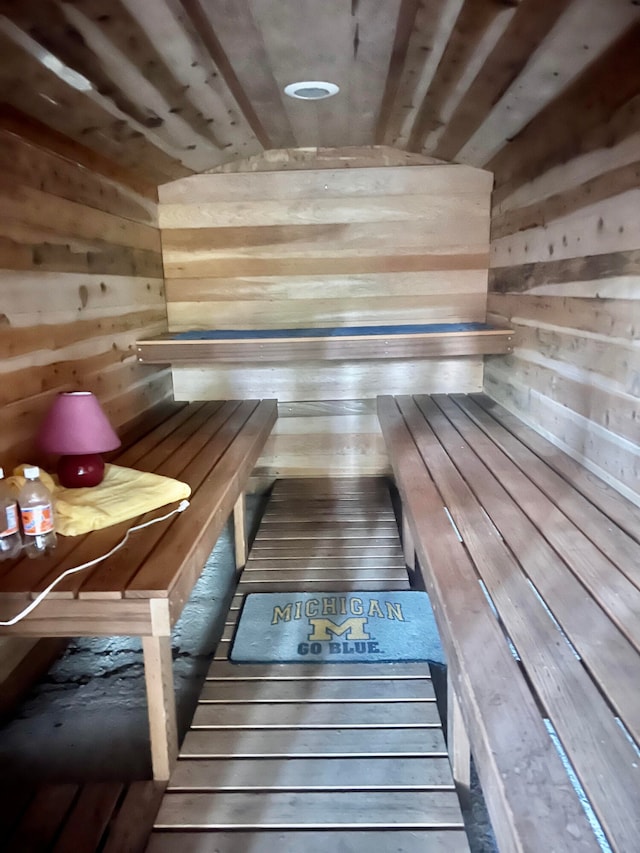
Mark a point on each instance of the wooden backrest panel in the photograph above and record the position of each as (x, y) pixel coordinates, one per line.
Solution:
(326, 247)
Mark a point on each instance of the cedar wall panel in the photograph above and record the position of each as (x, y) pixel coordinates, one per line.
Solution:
(565, 260)
(326, 247)
(80, 281)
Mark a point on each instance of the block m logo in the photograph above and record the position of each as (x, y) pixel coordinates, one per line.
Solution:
(352, 628)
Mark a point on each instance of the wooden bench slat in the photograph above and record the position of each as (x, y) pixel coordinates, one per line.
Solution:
(582, 718)
(107, 580)
(135, 818)
(520, 771)
(188, 434)
(42, 820)
(614, 542)
(25, 575)
(31, 576)
(612, 660)
(167, 349)
(89, 817)
(112, 577)
(179, 556)
(611, 589)
(601, 494)
(214, 447)
(153, 437)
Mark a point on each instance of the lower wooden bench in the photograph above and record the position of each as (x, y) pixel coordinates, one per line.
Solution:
(109, 817)
(142, 589)
(536, 589)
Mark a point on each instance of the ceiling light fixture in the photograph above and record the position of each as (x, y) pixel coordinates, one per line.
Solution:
(311, 90)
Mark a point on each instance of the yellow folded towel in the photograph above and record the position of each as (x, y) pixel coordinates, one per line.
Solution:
(123, 494)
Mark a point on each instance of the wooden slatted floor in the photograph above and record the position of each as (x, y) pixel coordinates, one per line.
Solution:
(314, 757)
(109, 817)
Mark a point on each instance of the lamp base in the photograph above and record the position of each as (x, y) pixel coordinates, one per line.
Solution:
(81, 471)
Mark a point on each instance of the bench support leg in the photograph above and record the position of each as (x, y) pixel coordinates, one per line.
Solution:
(158, 672)
(458, 744)
(408, 547)
(239, 531)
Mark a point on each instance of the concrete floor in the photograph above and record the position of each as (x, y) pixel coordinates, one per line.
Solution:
(87, 719)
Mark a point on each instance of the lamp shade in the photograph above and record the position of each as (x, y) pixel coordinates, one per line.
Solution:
(75, 424)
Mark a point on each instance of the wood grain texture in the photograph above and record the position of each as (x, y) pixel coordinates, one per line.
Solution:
(176, 86)
(464, 623)
(344, 157)
(481, 494)
(310, 810)
(324, 247)
(476, 21)
(524, 34)
(170, 349)
(80, 254)
(351, 841)
(566, 270)
(39, 134)
(277, 746)
(582, 43)
(335, 441)
(85, 339)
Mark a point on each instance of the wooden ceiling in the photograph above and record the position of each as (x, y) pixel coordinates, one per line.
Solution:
(171, 87)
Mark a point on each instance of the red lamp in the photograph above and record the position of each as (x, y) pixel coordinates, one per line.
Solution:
(76, 427)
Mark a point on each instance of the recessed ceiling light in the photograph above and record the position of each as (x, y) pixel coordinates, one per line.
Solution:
(311, 90)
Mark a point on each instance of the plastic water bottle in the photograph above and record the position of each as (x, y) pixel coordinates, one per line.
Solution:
(36, 514)
(10, 538)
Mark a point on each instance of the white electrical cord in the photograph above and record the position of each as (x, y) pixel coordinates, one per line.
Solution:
(180, 508)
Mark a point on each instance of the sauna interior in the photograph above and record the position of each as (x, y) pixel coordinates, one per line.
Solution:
(479, 164)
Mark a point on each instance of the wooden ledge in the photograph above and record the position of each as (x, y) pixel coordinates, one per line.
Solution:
(380, 342)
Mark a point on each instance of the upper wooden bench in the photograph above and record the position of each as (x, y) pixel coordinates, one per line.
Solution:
(335, 343)
(537, 597)
(142, 589)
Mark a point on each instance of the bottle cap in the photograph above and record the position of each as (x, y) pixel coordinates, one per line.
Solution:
(32, 473)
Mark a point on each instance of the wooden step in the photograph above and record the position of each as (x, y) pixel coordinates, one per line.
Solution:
(310, 810)
(326, 692)
(307, 743)
(324, 585)
(310, 774)
(317, 672)
(277, 563)
(393, 841)
(317, 715)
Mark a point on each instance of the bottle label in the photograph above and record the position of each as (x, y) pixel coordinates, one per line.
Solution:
(37, 520)
(10, 521)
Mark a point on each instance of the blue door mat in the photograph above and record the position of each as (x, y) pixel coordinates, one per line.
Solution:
(354, 627)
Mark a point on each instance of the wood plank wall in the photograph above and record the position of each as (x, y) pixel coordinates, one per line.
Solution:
(326, 247)
(565, 260)
(80, 281)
